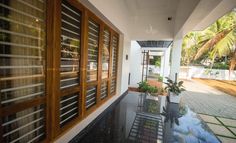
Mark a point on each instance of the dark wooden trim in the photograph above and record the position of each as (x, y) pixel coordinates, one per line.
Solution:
(77, 4)
(105, 79)
(117, 58)
(84, 53)
(8, 110)
(69, 91)
(92, 83)
(1, 128)
(110, 65)
(100, 63)
(49, 66)
(53, 65)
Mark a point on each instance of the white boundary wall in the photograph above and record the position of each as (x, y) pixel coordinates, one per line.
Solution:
(201, 72)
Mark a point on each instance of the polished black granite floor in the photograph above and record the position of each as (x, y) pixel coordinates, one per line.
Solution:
(136, 119)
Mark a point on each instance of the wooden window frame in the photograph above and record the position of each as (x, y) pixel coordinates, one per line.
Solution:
(53, 93)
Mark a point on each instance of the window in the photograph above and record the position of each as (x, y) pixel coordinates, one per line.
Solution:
(70, 62)
(105, 53)
(70, 46)
(22, 70)
(114, 64)
(58, 63)
(93, 43)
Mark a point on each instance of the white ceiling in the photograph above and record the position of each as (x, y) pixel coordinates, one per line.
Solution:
(147, 7)
(150, 18)
(147, 19)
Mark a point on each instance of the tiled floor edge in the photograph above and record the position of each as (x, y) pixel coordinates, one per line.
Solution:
(227, 127)
(216, 116)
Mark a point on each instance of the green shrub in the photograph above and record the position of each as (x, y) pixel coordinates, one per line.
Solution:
(143, 86)
(152, 89)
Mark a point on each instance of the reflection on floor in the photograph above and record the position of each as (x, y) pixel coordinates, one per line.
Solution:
(146, 129)
(223, 128)
(133, 119)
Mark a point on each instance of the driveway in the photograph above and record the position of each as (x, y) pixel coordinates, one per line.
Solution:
(207, 100)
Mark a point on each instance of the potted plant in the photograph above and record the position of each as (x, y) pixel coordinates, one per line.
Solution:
(143, 86)
(174, 89)
(153, 90)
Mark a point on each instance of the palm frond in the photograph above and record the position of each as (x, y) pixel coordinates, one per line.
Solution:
(225, 46)
(209, 44)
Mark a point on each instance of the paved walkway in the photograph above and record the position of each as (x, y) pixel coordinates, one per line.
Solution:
(207, 100)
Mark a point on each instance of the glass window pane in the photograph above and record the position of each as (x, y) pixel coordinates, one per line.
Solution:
(93, 38)
(22, 50)
(105, 53)
(70, 45)
(104, 88)
(91, 97)
(25, 126)
(68, 108)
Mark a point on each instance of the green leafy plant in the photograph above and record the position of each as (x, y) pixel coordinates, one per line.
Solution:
(174, 86)
(143, 86)
(159, 78)
(152, 89)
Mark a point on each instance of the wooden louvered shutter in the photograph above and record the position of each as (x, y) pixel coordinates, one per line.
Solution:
(22, 70)
(105, 63)
(70, 63)
(114, 64)
(92, 63)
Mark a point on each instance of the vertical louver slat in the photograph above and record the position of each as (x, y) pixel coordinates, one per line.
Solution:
(24, 126)
(104, 90)
(90, 97)
(70, 45)
(105, 53)
(68, 108)
(93, 38)
(114, 64)
(22, 68)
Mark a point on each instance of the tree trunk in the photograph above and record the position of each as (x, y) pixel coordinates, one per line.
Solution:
(209, 44)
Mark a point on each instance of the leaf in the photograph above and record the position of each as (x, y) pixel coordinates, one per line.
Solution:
(180, 83)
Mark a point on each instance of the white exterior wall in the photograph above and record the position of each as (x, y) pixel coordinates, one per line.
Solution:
(135, 63)
(125, 65)
(201, 72)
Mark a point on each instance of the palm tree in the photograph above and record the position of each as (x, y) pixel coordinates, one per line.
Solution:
(219, 40)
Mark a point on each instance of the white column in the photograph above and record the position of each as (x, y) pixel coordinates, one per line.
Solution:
(123, 64)
(166, 70)
(176, 56)
(135, 63)
(162, 68)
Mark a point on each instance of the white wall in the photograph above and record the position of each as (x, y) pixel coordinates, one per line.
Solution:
(201, 72)
(125, 64)
(115, 11)
(135, 63)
